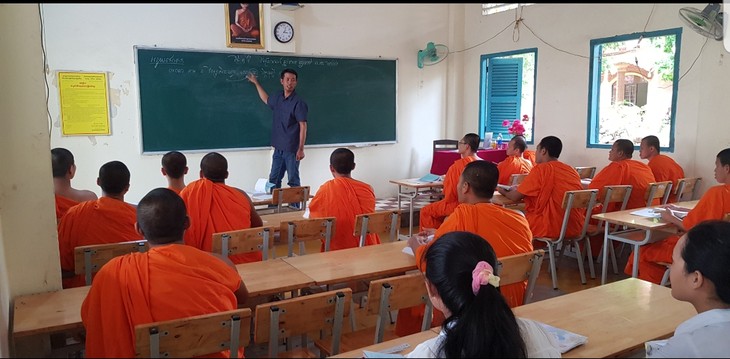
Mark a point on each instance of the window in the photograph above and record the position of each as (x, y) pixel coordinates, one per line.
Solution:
(491, 8)
(633, 88)
(507, 92)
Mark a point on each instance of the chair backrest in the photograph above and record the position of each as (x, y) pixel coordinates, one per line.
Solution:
(517, 178)
(613, 194)
(586, 172)
(394, 293)
(660, 190)
(312, 229)
(322, 312)
(281, 196)
(244, 241)
(445, 145)
(520, 267)
(382, 223)
(89, 259)
(585, 198)
(687, 188)
(194, 336)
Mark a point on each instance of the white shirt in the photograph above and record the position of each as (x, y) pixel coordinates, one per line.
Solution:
(538, 342)
(703, 336)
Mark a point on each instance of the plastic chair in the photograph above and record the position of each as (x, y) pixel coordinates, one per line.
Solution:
(313, 229)
(245, 241)
(194, 336)
(281, 196)
(89, 259)
(573, 200)
(382, 223)
(586, 172)
(316, 313)
(687, 188)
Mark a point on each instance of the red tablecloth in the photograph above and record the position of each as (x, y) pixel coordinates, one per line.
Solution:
(443, 159)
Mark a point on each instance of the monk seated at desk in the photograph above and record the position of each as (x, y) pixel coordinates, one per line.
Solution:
(663, 167)
(506, 230)
(165, 283)
(714, 204)
(543, 191)
(64, 170)
(514, 163)
(432, 215)
(174, 168)
(106, 220)
(215, 207)
(343, 198)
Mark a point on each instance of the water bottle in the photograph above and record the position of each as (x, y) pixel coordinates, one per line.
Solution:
(499, 141)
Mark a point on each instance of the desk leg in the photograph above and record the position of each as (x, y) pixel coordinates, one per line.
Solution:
(410, 214)
(604, 260)
(635, 272)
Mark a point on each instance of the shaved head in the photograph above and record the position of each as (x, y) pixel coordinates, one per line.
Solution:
(482, 178)
(343, 161)
(214, 167)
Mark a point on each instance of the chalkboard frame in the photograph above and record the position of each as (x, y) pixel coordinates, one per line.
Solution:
(262, 53)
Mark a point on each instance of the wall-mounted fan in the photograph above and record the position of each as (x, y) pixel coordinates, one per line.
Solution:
(707, 22)
(432, 54)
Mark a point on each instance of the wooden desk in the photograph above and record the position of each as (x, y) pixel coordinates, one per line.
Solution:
(411, 188)
(412, 340)
(641, 231)
(272, 276)
(355, 263)
(499, 199)
(617, 318)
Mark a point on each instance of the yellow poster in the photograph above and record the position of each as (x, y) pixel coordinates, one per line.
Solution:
(84, 98)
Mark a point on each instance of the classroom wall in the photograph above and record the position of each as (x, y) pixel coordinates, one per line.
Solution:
(561, 106)
(101, 38)
(28, 244)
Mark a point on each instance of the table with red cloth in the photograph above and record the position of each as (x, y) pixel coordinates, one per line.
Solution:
(443, 159)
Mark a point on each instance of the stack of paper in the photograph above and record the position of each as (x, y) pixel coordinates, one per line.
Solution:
(566, 340)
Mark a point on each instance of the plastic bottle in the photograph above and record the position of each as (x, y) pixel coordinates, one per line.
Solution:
(499, 141)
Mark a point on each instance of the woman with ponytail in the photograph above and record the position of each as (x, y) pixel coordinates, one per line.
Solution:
(461, 283)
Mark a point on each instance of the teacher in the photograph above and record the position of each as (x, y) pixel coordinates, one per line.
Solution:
(288, 130)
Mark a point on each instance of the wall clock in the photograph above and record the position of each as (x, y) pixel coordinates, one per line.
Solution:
(283, 32)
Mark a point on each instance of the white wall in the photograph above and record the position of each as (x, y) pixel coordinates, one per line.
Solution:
(101, 38)
(701, 125)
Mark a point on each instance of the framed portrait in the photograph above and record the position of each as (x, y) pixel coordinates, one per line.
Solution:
(244, 25)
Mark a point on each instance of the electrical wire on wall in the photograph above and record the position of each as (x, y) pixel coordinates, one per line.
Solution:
(45, 68)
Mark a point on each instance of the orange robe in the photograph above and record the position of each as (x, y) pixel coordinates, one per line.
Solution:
(512, 165)
(344, 198)
(713, 205)
(544, 189)
(165, 283)
(214, 208)
(530, 155)
(433, 215)
(101, 221)
(666, 169)
(626, 172)
(507, 231)
(62, 206)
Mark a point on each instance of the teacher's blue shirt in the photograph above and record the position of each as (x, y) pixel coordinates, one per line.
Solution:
(288, 112)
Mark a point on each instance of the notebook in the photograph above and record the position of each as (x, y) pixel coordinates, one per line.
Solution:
(429, 178)
(566, 340)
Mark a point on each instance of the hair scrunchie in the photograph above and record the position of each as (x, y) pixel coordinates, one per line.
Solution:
(483, 274)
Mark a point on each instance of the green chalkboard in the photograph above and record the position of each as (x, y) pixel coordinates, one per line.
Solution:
(201, 100)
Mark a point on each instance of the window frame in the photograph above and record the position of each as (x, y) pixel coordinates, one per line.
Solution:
(594, 64)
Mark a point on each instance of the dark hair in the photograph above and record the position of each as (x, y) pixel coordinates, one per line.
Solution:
(481, 325)
(61, 161)
(625, 146)
(161, 215)
(724, 157)
(342, 160)
(651, 141)
(520, 143)
(707, 250)
(174, 164)
(472, 140)
(214, 167)
(114, 177)
(553, 146)
(482, 177)
(290, 71)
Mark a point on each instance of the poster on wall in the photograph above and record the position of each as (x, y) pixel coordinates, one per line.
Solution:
(84, 100)
(244, 25)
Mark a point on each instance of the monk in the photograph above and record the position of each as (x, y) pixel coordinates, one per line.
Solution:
(106, 220)
(506, 230)
(165, 283)
(64, 170)
(215, 207)
(432, 215)
(343, 198)
(174, 168)
(543, 190)
(514, 163)
(663, 167)
(624, 171)
(714, 204)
